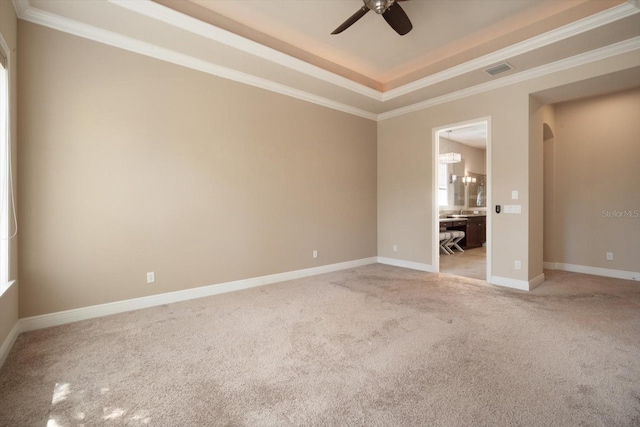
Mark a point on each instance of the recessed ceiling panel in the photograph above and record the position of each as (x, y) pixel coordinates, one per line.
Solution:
(442, 29)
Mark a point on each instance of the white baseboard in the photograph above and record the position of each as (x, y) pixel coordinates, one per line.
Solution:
(69, 316)
(596, 271)
(522, 285)
(406, 264)
(6, 346)
(537, 281)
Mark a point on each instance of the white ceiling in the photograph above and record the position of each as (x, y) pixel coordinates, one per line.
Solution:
(285, 46)
(442, 28)
(473, 135)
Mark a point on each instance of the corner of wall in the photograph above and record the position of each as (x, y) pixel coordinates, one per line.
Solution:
(9, 323)
(536, 189)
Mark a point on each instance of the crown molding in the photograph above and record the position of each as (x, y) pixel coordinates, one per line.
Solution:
(37, 16)
(169, 16)
(543, 70)
(610, 15)
(151, 9)
(21, 7)
(164, 14)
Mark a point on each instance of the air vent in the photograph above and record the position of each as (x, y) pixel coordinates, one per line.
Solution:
(497, 69)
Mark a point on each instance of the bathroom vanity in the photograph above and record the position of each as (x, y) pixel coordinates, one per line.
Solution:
(474, 226)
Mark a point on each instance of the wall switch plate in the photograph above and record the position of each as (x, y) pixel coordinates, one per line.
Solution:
(315, 254)
(609, 256)
(517, 265)
(395, 248)
(512, 209)
(151, 277)
(514, 195)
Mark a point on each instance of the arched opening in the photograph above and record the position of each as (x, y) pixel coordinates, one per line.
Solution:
(549, 177)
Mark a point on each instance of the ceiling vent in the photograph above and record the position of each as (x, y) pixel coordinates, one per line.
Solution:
(497, 69)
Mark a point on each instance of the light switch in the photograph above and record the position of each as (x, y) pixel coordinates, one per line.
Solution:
(512, 209)
(514, 195)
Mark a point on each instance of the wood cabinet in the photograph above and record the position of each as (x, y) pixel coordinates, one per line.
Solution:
(474, 227)
(476, 232)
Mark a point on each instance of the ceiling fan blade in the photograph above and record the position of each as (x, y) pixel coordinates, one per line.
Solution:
(352, 20)
(398, 20)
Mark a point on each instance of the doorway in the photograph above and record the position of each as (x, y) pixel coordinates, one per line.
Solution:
(462, 180)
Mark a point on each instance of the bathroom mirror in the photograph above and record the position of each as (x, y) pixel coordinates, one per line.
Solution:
(458, 187)
(477, 190)
(450, 185)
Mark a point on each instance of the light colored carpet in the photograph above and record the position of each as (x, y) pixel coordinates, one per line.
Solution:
(375, 346)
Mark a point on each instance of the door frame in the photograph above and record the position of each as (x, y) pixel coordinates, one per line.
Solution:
(435, 138)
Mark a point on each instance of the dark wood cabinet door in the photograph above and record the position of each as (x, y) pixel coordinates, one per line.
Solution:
(476, 233)
(482, 232)
(472, 235)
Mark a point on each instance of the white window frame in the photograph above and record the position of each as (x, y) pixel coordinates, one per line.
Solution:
(5, 179)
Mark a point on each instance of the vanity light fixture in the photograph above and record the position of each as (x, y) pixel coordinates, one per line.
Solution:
(468, 179)
(450, 158)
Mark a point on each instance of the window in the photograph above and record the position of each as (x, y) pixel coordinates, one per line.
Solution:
(5, 167)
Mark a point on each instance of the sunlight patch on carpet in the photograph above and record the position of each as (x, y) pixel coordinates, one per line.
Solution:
(60, 392)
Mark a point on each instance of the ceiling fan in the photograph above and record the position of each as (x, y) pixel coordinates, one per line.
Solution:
(390, 11)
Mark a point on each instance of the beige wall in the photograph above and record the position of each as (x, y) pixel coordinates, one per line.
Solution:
(549, 178)
(405, 171)
(405, 174)
(130, 165)
(9, 300)
(597, 150)
(538, 115)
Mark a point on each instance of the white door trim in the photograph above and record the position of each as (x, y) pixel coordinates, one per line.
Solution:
(435, 139)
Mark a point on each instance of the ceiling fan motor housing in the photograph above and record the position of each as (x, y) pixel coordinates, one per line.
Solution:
(394, 15)
(378, 6)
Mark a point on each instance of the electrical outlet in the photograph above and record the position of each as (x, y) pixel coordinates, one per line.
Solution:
(151, 277)
(315, 254)
(517, 265)
(609, 256)
(395, 248)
